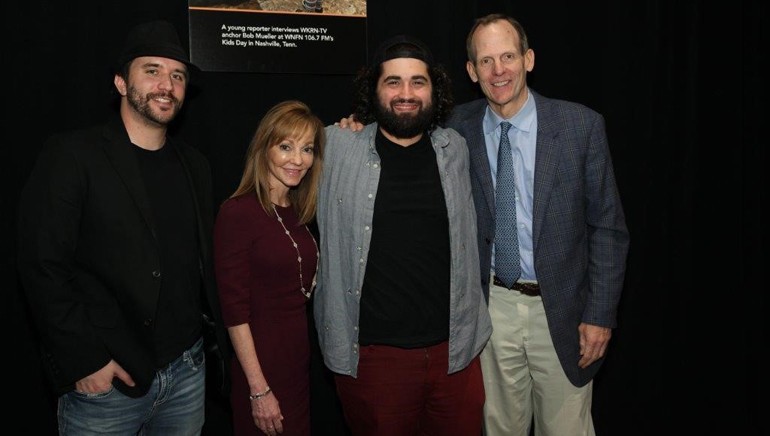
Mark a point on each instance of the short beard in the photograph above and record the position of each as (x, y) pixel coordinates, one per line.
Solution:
(405, 125)
(141, 104)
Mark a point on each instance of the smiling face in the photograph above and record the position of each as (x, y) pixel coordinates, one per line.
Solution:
(404, 99)
(287, 162)
(500, 68)
(154, 88)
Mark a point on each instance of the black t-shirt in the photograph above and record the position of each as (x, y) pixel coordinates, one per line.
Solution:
(405, 296)
(177, 322)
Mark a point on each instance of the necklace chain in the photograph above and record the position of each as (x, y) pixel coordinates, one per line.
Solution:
(302, 289)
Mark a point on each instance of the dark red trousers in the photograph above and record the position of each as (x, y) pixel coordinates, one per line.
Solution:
(404, 392)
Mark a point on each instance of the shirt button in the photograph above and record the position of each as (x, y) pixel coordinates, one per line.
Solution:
(376, 166)
(366, 228)
(370, 196)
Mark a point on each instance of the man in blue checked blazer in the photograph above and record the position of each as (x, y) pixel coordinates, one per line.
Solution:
(552, 326)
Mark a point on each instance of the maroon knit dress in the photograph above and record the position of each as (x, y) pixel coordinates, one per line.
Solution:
(258, 279)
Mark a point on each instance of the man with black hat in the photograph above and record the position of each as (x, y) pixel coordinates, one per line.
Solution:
(399, 308)
(115, 256)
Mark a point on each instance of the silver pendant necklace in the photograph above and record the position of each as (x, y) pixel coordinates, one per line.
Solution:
(302, 289)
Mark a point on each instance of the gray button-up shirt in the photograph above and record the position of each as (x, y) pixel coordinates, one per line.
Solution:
(345, 212)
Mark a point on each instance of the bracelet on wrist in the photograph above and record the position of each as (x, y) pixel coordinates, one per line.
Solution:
(259, 395)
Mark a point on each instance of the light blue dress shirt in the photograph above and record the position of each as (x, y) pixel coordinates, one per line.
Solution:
(523, 137)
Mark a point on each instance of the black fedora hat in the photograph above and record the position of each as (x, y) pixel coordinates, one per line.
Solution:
(154, 38)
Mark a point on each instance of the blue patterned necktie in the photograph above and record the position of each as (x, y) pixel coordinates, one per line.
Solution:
(507, 266)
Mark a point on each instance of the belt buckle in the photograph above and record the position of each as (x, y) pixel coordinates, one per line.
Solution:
(530, 289)
(526, 288)
(498, 282)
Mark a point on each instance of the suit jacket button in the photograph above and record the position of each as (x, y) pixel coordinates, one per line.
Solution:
(156, 274)
(147, 322)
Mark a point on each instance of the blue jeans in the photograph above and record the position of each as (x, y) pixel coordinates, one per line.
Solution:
(173, 406)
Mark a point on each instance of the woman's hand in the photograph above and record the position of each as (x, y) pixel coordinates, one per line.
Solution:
(267, 414)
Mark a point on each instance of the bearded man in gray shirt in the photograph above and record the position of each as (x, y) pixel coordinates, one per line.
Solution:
(399, 307)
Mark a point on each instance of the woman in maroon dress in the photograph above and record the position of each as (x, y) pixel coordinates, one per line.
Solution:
(266, 260)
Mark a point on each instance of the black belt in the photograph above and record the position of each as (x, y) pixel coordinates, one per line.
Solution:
(530, 289)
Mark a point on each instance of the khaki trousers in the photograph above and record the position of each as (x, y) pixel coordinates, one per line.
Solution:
(523, 378)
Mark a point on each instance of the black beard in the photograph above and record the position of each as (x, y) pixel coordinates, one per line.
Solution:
(141, 105)
(404, 125)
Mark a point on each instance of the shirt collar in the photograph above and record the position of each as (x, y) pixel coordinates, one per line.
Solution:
(522, 120)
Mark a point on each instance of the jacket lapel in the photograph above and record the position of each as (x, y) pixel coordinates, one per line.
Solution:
(202, 234)
(120, 152)
(474, 136)
(546, 162)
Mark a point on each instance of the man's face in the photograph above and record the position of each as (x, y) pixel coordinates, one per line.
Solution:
(500, 69)
(404, 98)
(156, 88)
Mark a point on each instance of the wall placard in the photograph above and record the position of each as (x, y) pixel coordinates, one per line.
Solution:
(244, 40)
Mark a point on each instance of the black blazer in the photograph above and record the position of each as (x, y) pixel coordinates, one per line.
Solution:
(89, 260)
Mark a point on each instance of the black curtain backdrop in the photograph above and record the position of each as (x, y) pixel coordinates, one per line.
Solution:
(678, 84)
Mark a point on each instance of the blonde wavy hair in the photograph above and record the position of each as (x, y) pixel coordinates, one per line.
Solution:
(287, 119)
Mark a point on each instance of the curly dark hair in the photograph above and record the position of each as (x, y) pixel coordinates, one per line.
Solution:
(365, 94)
